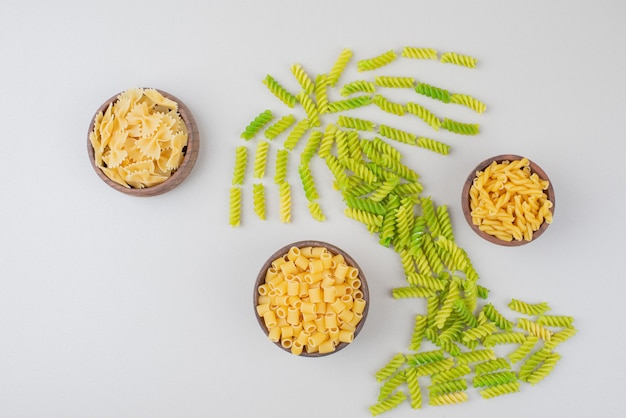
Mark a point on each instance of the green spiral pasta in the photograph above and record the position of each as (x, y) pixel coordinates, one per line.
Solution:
(430, 215)
(303, 78)
(458, 59)
(466, 316)
(328, 139)
(385, 188)
(528, 308)
(310, 108)
(349, 104)
(397, 134)
(452, 329)
(359, 169)
(391, 384)
(358, 86)
(386, 149)
(543, 370)
(482, 291)
(311, 146)
(506, 337)
(419, 53)
(556, 321)
(448, 398)
(385, 105)
(425, 357)
(388, 227)
(366, 204)
(468, 101)
(241, 155)
(284, 197)
(355, 188)
(353, 139)
(297, 132)
(433, 145)
(430, 251)
(460, 127)
(364, 217)
(533, 362)
(492, 366)
(320, 92)
(494, 379)
(447, 305)
(456, 258)
(443, 220)
(391, 367)
(412, 188)
(497, 318)
(426, 281)
(387, 404)
(257, 124)
(433, 92)
(417, 234)
(279, 91)
(424, 114)
(355, 123)
(377, 61)
(499, 390)
(394, 82)
(260, 159)
(535, 329)
(450, 386)
(451, 374)
(279, 126)
(338, 67)
(561, 336)
(428, 369)
(411, 292)
(280, 174)
(235, 206)
(308, 184)
(415, 393)
(419, 329)
(316, 211)
(524, 349)
(479, 332)
(258, 199)
(476, 356)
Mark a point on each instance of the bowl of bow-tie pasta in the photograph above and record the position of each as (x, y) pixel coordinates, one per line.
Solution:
(508, 200)
(143, 142)
(311, 298)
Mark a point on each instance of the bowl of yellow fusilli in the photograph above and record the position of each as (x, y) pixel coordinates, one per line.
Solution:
(508, 200)
(311, 298)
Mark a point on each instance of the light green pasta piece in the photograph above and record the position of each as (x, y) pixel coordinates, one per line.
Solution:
(431, 254)
(316, 211)
(386, 149)
(385, 188)
(394, 82)
(443, 220)
(499, 390)
(412, 188)
(560, 336)
(497, 318)
(463, 312)
(388, 227)
(297, 132)
(404, 224)
(358, 86)
(479, 332)
(260, 159)
(406, 259)
(543, 370)
(366, 204)
(364, 217)
(349, 104)
(357, 188)
(328, 140)
(468, 101)
(455, 257)
(529, 308)
(388, 106)
(433, 367)
(359, 169)
(418, 332)
(258, 199)
(355, 123)
(556, 321)
(451, 374)
(460, 127)
(377, 61)
(448, 399)
(433, 92)
(433, 145)
(535, 329)
(235, 206)
(279, 126)
(381, 172)
(308, 184)
(321, 93)
(452, 329)
(310, 108)
(411, 292)
(354, 149)
(284, 197)
(391, 384)
(493, 379)
(387, 404)
(458, 59)
(391, 367)
(397, 134)
(338, 67)
(419, 229)
(492, 366)
(506, 337)
(447, 305)
(427, 281)
(279, 91)
(415, 392)
(419, 53)
(303, 78)
(257, 124)
(424, 114)
(241, 155)
(450, 386)
(280, 175)
(425, 357)
(533, 362)
(524, 349)
(482, 292)
(476, 356)
(343, 148)
(311, 146)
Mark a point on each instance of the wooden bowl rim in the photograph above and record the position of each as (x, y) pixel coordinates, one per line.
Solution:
(189, 161)
(535, 168)
(335, 250)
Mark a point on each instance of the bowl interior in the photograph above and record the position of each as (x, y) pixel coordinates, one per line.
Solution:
(190, 153)
(465, 200)
(333, 249)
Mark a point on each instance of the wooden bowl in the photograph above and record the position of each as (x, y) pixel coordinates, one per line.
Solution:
(190, 152)
(334, 250)
(465, 199)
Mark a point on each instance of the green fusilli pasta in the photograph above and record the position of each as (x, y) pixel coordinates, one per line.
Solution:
(415, 392)
(443, 220)
(397, 134)
(310, 108)
(241, 155)
(385, 105)
(499, 390)
(258, 199)
(279, 91)
(308, 184)
(394, 82)
(364, 217)
(338, 67)
(506, 337)
(492, 366)
(425, 357)
(386, 149)
(556, 321)
(476, 356)
(284, 197)
(366, 204)
(358, 86)
(328, 139)
(479, 332)
(387, 404)
(497, 318)
(311, 146)
(411, 292)
(468, 101)
(561, 336)
(280, 174)
(494, 379)
(316, 211)
(433, 92)
(448, 399)
(451, 374)
(458, 59)
(543, 370)
(533, 362)
(524, 349)
(235, 206)
(279, 126)
(349, 104)
(450, 386)
(418, 332)
(535, 329)
(355, 123)
(257, 124)
(297, 132)
(359, 169)
(424, 114)
(391, 384)
(426, 281)
(391, 367)
(303, 78)
(529, 308)
(260, 159)
(447, 305)
(433, 145)
(377, 61)
(460, 127)
(321, 93)
(466, 316)
(419, 53)
(428, 369)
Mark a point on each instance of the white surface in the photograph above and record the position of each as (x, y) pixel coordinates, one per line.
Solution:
(113, 306)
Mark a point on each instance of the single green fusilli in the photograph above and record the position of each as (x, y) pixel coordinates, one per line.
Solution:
(349, 104)
(397, 134)
(328, 139)
(447, 305)
(499, 390)
(433, 145)
(303, 78)
(338, 67)
(257, 124)
(321, 93)
(448, 399)
(533, 362)
(377, 62)
(391, 367)
(425, 356)
(506, 337)
(235, 206)
(385, 188)
(387, 404)
(449, 386)
(497, 318)
(260, 159)
(296, 133)
(411, 292)
(415, 393)
(466, 316)
(529, 308)
(561, 336)
(426, 281)
(543, 370)
(479, 332)
(279, 126)
(308, 184)
(419, 53)
(460, 127)
(279, 91)
(556, 321)
(468, 101)
(385, 105)
(316, 211)
(280, 174)
(535, 329)
(418, 332)
(492, 366)
(428, 369)
(355, 123)
(524, 349)
(358, 86)
(424, 114)
(241, 155)
(451, 374)
(476, 356)
(433, 92)
(310, 108)
(394, 82)
(284, 197)
(391, 384)
(311, 146)
(458, 59)
(258, 199)
(359, 169)
(493, 379)
(366, 204)
(364, 217)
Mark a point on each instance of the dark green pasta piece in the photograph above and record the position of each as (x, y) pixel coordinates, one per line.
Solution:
(497, 318)
(366, 204)
(433, 92)
(279, 91)
(257, 124)
(425, 356)
(349, 104)
(460, 127)
(492, 379)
